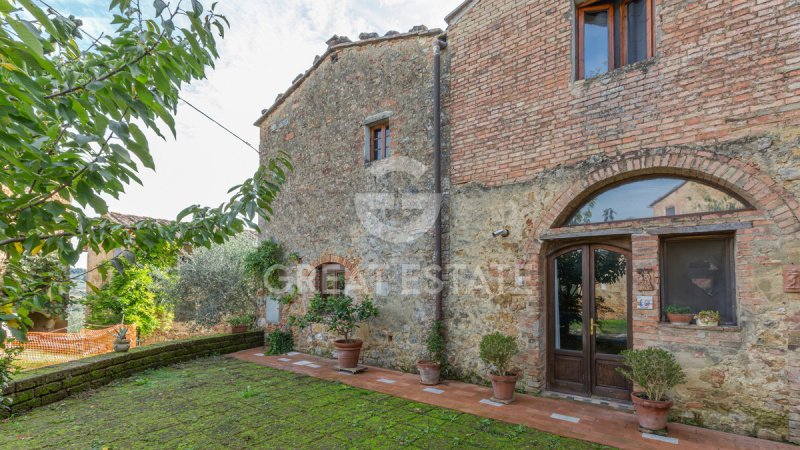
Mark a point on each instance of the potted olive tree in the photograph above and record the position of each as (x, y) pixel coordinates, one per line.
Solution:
(341, 315)
(679, 315)
(430, 369)
(497, 350)
(655, 371)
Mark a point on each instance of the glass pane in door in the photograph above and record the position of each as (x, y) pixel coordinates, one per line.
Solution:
(568, 294)
(610, 301)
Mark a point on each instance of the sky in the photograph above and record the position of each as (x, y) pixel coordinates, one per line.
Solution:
(269, 43)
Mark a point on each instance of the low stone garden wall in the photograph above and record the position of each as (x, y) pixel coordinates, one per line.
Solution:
(54, 383)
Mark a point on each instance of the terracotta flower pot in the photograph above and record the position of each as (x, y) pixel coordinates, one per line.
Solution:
(239, 329)
(680, 319)
(503, 387)
(652, 415)
(122, 345)
(348, 352)
(429, 372)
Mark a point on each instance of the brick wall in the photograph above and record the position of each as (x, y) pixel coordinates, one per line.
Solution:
(723, 70)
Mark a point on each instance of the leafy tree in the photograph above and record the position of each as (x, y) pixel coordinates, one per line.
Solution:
(212, 283)
(73, 115)
(137, 292)
(339, 313)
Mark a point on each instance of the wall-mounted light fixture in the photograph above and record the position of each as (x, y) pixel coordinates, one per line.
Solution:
(501, 233)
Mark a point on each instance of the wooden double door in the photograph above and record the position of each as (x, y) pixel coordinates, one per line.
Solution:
(589, 320)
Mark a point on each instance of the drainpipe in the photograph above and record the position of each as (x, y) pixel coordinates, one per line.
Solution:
(438, 45)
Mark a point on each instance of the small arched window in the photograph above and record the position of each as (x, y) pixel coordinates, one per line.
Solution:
(331, 279)
(654, 197)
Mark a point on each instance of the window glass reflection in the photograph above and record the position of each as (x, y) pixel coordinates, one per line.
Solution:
(655, 197)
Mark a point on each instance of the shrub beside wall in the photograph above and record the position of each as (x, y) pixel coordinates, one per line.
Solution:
(54, 383)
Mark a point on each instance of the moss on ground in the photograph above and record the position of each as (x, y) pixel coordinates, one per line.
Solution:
(223, 403)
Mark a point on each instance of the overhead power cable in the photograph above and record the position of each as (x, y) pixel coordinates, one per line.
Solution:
(206, 115)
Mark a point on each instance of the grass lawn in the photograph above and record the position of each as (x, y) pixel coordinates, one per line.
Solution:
(223, 403)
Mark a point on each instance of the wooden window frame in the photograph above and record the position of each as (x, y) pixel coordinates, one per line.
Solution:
(730, 268)
(609, 8)
(623, 31)
(596, 5)
(331, 269)
(375, 154)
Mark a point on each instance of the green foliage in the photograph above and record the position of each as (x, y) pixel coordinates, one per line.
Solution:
(244, 320)
(436, 345)
(121, 333)
(279, 342)
(211, 283)
(497, 350)
(74, 117)
(135, 293)
(708, 316)
(130, 294)
(339, 313)
(654, 369)
(7, 368)
(266, 264)
(675, 309)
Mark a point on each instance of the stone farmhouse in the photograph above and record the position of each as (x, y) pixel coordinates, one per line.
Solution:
(524, 150)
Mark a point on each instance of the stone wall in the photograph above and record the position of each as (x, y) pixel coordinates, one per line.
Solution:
(720, 102)
(321, 124)
(51, 384)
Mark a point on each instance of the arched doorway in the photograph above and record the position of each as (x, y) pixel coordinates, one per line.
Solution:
(589, 318)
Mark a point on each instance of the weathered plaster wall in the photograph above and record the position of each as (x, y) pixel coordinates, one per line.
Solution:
(320, 125)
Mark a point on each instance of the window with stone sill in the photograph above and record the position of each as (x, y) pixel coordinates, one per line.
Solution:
(380, 142)
(697, 272)
(611, 34)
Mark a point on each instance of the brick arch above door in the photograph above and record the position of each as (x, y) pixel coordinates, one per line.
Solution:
(744, 180)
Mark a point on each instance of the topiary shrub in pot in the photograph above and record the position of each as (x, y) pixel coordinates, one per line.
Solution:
(430, 369)
(341, 315)
(655, 371)
(679, 315)
(497, 350)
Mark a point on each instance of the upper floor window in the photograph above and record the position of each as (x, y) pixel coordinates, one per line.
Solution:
(613, 33)
(655, 197)
(380, 136)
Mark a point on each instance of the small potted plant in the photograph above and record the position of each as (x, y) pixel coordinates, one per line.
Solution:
(341, 315)
(240, 324)
(121, 342)
(679, 315)
(655, 371)
(497, 350)
(430, 369)
(707, 318)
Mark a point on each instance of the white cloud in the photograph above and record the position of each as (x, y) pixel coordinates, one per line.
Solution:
(269, 43)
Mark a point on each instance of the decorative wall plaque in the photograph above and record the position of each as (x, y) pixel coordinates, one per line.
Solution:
(791, 278)
(644, 280)
(644, 302)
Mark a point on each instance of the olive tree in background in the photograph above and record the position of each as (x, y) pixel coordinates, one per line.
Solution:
(74, 111)
(213, 284)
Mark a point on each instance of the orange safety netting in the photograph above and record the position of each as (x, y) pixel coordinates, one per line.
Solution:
(43, 349)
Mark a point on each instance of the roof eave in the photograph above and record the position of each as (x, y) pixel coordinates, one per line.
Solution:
(299, 81)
